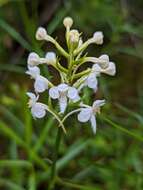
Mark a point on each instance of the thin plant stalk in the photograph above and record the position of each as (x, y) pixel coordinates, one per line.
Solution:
(55, 157)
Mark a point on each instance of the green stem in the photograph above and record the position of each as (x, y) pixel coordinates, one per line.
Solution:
(55, 157)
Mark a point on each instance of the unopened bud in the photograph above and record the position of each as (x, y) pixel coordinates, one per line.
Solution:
(105, 62)
(74, 36)
(98, 37)
(68, 22)
(110, 70)
(51, 57)
(33, 59)
(41, 33)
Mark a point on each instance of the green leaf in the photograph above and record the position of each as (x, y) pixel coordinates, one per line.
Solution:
(117, 126)
(12, 68)
(14, 34)
(14, 120)
(15, 163)
(75, 149)
(9, 184)
(131, 113)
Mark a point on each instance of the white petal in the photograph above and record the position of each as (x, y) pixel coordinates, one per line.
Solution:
(54, 93)
(31, 95)
(62, 87)
(51, 57)
(84, 115)
(98, 103)
(33, 71)
(72, 93)
(93, 123)
(63, 103)
(38, 110)
(41, 84)
(41, 33)
(98, 37)
(33, 59)
(76, 99)
(111, 69)
(92, 81)
(96, 69)
(105, 58)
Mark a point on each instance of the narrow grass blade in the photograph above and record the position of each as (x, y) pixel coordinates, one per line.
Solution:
(131, 113)
(130, 133)
(12, 68)
(15, 122)
(72, 153)
(10, 185)
(15, 163)
(14, 34)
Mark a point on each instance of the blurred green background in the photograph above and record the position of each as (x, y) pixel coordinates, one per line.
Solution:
(113, 158)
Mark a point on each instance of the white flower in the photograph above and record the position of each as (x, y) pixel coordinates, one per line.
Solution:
(41, 33)
(38, 109)
(33, 59)
(98, 37)
(50, 57)
(91, 80)
(68, 22)
(41, 83)
(62, 92)
(88, 113)
(74, 36)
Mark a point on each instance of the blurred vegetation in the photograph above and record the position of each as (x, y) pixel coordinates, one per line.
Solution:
(111, 160)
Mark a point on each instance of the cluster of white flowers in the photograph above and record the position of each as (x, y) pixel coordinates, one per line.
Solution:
(72, 81)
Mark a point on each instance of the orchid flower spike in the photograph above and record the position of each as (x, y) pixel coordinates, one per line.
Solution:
(88, 113)
(62, 92)
(41, 83)
(38, 109)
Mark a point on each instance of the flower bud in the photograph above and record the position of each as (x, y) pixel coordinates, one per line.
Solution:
(51, 57)
(68, 22)
(74, 36)
(33, 59)
(41, 33)
(98, 37)
(110, 70)
(105, 58)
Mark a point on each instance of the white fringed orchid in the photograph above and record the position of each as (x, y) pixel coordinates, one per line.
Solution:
(38, 109)
(91, 80)
(88, 113)
(72, 77)
(41, 83)
(62, 92)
